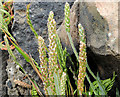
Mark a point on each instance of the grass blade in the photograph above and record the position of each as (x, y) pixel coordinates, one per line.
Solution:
(57, 84)
(101, 86)
(11, 53)
(4, 11)
(29, 21)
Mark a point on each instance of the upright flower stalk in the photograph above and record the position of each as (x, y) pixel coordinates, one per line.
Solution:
(67, 24)
(82, 60)
(67, 17)
(43, 62)
(63, 83)
(53, 65)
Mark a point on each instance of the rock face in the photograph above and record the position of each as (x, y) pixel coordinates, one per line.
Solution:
(100, 21)
(3, 73)
(100, 24)
(109, 11)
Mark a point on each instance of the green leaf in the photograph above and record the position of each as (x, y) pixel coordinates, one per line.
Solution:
(57, 83)
(1, 45)
(34, 88)
(107, 84)
(5, 30)
(75, 91)
(29, 21)
(101, 86)
(117, 93)
(49, 91)
(8, 47)
(27, 58)
(34, 92)
(91, 85)
(62, 54)
(4, 11)
(11, 53)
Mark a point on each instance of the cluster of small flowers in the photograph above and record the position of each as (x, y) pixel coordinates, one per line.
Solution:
(67, 15)
(43, 62)
(63, 83)
(82, 59)
(53, 65)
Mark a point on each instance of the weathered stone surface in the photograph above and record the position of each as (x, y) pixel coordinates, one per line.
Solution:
(109, 10)
(14, 73)
(3, 73)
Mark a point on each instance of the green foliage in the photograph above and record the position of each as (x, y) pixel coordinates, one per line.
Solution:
(62, 54)
(11, 53)
(52, 85)
(67, 23)
(100, 85)
(60, 84)
(2, 20)
(5, 13)
(57, 83)
(4, 28)
(29, 21)
(34, 92)
(5, 18)
(117, 93)
(107, 83)
(52, 70)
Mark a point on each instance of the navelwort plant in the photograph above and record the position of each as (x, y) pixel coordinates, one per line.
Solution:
(52, 70)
